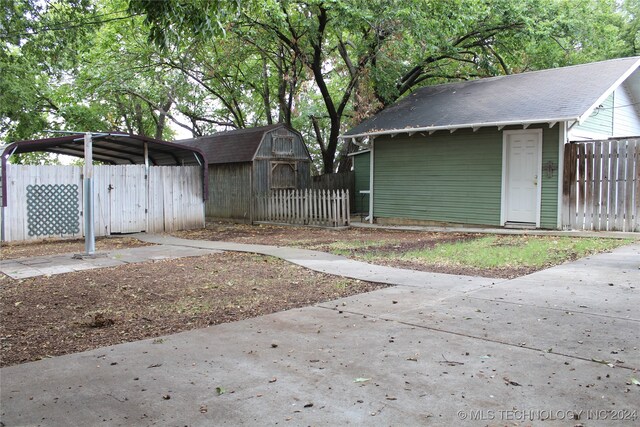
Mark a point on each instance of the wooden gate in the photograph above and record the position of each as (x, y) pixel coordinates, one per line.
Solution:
(601, 185)
(120, 198)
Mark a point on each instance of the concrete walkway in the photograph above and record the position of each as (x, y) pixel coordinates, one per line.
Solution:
(334, 264)
(558, 347)
(47, 265)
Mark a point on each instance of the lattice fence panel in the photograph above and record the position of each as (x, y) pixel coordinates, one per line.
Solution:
(53, 209)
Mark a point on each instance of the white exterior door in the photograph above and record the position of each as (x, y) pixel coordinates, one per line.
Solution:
(522, 158)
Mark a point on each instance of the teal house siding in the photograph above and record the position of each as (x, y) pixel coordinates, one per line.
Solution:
(453, 177)
(361, 167)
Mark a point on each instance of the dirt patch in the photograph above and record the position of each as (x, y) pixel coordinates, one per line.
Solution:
(66, 313)
(320, 238)
(371, 243)
(53, 247)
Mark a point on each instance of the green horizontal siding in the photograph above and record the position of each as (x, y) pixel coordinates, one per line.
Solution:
(444, 177)
(452, 177)
(550, 156)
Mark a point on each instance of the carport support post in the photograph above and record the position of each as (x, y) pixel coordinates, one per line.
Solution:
(89, 231)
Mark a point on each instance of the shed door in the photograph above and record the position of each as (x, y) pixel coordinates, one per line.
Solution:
(521, 173)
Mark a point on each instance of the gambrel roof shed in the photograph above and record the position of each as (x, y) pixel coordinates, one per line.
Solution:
(245, 164)
(234, 146)
(569, 94)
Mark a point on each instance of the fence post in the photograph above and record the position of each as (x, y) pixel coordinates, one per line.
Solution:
(314, 201)
(334, 208)
(327, 205)
(306, 205)
(298, 206)
(636, 162)
(347, 210)
(629, 214)
(597, 187)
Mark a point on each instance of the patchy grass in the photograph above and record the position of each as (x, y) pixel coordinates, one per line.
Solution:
(512, 251)
(496, 256)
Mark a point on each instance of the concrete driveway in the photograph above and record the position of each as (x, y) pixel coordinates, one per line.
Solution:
(558, 347)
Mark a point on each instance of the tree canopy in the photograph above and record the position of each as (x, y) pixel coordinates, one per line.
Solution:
(160, 67)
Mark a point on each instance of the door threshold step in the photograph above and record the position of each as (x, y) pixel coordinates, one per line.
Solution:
(520, 225)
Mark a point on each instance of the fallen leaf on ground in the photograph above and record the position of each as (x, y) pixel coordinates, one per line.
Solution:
(507, 381)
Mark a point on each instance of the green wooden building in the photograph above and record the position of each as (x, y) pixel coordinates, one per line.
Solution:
(490, 152)
(246, 163)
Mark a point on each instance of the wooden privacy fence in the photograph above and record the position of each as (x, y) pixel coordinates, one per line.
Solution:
(306, 207)
(601, 188)
(46, 201)
(336, 181)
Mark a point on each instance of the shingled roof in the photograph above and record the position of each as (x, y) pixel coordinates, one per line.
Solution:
(234, 146)
(547, 96)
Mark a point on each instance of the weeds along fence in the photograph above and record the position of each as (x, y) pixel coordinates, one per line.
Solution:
(326, 208)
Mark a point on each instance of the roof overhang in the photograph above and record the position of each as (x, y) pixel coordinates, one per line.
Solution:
(113, 148)
(452, 128)
(609, 91)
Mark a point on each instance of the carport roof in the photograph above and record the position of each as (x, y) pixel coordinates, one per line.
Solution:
(114, 148)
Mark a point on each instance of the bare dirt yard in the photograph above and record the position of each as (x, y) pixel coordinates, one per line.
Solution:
(66, 313)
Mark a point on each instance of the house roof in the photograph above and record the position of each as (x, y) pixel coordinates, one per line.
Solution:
(546, 96)
(112, 148)
(234, 146)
